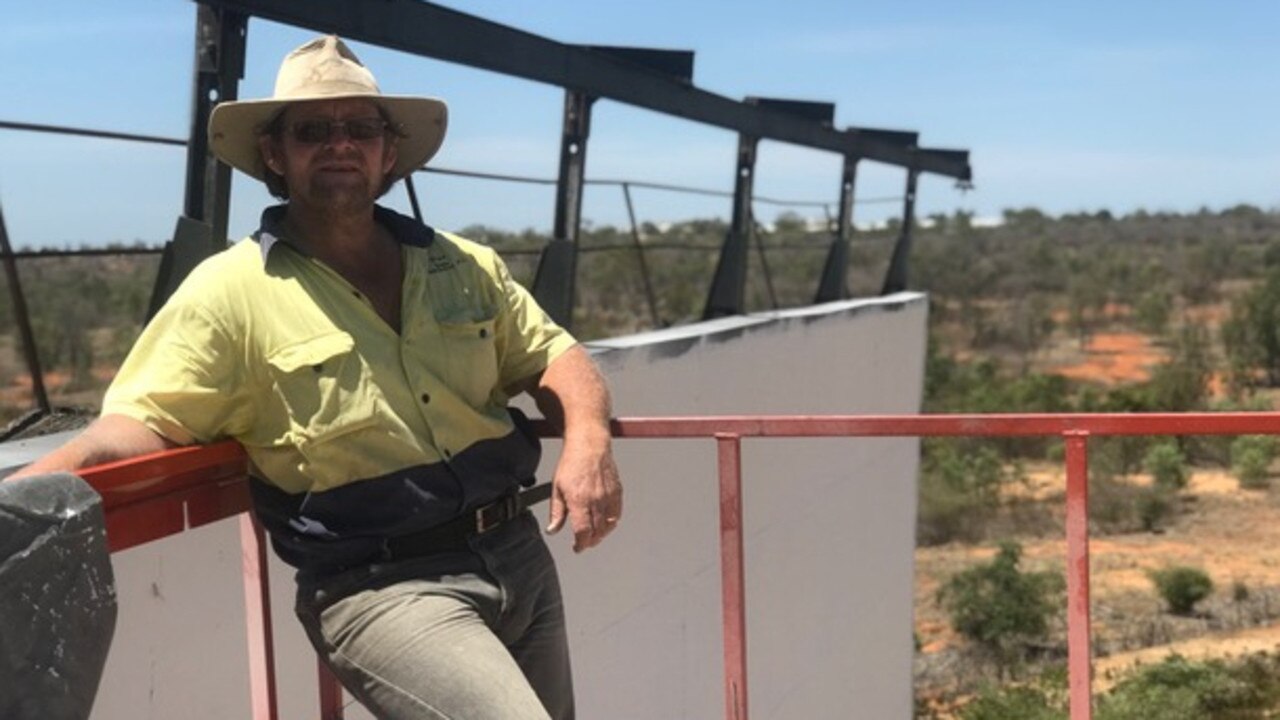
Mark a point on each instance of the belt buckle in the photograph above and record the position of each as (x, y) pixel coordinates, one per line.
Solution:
(502, 509)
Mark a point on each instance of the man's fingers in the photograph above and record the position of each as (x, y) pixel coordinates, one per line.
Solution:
(596, 525)
(589, 500)
(556, 520)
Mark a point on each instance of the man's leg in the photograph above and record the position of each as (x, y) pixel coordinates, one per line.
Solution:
(532, 625)
(422, 650)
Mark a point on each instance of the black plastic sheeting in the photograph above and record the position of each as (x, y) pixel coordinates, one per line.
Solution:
(57, 598)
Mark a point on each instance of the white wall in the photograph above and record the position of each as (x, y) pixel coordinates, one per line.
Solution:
(829, 526)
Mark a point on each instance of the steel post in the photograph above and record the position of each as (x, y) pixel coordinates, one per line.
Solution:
(23, 320)
(728, 288)
(895, 279)
(219, 65)
(834, 284)
(553, 283)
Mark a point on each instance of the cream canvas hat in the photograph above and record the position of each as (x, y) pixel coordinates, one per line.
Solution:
(325, 69)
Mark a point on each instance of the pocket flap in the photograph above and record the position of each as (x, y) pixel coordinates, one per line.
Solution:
(311, 352)
(481, 329)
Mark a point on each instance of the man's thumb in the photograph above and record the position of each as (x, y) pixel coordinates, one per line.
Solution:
(556, 520)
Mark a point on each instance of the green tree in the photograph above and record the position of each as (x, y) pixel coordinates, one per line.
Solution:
(1153, 310)
(1251, 457)
(1182, 383)
(1251, 334)
(1182, 587)
(1001, 608)
(1167, 465)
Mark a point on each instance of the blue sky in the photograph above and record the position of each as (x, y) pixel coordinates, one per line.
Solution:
(1064, 106)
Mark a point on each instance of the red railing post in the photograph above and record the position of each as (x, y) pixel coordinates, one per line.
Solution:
(257, 606)
(1079, 655)
(732, 576)
(330, 692)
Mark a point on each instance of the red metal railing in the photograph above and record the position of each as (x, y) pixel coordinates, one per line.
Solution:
(155, 496)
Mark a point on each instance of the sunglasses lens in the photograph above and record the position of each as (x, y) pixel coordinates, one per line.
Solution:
(314, 132)
(365, 128)
(311, 131)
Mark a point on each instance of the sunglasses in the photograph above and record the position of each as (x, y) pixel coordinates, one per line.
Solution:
(315, 132)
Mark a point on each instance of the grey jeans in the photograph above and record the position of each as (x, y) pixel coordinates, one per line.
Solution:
(458, 635)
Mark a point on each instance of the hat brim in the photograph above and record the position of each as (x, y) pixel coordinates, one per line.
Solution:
(234, 128)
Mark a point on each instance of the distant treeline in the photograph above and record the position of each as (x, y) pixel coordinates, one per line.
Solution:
(1074, 269)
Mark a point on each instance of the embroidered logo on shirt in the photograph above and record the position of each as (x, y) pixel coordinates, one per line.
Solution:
(439, 263)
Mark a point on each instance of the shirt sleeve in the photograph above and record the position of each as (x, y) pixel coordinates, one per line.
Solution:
(528, 340)
(185, 378)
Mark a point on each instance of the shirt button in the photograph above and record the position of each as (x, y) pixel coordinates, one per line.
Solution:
(484, 333)
(426, 398)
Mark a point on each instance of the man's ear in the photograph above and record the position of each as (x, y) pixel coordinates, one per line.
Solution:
(270, 154)
(389, 156)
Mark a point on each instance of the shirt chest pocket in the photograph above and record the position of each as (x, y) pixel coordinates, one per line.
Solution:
(324, 387)
(472, 359)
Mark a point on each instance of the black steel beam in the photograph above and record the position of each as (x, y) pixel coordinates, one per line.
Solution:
(429, 30)
(675, 64)
(902, 137)
(819, 112)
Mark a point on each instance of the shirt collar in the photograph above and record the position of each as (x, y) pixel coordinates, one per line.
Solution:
(405, 229)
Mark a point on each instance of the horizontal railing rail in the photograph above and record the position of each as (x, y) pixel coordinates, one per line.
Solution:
(152, 497)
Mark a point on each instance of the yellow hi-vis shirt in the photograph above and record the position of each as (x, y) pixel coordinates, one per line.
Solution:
(354, 432)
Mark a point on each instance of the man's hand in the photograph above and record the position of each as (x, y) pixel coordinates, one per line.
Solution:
(571, 394)
(586, 490)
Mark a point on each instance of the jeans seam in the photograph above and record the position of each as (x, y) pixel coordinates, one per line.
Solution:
(337, 653)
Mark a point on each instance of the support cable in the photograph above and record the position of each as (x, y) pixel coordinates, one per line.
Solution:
(644, 266)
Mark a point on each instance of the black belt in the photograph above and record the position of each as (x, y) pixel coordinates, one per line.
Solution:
(453, 534)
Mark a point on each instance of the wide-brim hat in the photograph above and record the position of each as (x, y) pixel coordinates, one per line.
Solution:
(325, 69)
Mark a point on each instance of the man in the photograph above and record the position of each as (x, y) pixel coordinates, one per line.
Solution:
(365, 362)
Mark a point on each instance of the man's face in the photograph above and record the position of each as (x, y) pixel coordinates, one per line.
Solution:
(328, 153)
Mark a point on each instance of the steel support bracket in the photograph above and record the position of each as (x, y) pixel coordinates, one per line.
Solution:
(895, 279)
(728, 288)
(834, 284)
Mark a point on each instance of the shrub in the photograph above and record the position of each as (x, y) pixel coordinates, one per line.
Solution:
(1239, 592)
(1001, 608)
(1182, 587)
(1251, 457)
(1017, 703)
(1216, 449)
(959, 491)
(1116, 506)
(1154, 505)
(1111, 457)
(1178, 689)
(1167, 466)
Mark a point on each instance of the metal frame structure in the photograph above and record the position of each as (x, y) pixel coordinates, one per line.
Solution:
(153, 497)
(657, 80)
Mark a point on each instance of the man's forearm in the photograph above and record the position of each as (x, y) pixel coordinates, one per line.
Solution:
(572, 394)
(110, 437)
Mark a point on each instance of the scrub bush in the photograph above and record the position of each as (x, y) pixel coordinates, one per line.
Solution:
(1182, 587)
